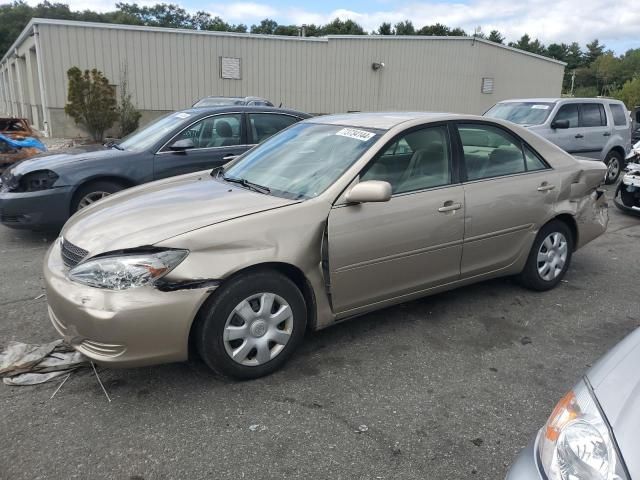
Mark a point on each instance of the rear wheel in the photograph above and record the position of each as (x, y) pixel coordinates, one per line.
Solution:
(615, 164)
(252, 325)
(92, 192)
(549, 258)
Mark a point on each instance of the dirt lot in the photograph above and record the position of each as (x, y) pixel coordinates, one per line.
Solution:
(448, 387)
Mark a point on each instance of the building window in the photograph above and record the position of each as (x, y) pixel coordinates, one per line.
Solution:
(487, 85)
(230, 68)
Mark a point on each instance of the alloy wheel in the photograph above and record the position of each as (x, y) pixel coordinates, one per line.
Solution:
(613, 169)
(91, 198)
(552, 256)
(258, 329)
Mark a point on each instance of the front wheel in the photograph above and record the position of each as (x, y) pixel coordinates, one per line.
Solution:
(615, 164)
(252, 325)
(92, 192)
(549, 258)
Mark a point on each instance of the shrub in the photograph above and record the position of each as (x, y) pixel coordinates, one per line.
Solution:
(91, 101)
(128, 115)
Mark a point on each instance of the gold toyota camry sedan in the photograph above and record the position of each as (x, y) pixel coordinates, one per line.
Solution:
(333, 217)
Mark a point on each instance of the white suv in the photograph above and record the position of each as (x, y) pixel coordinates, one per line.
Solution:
(597, 128)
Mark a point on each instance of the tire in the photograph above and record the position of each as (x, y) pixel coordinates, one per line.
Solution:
(535, 275)
(219, 319)
(98, 189)
(615, 165)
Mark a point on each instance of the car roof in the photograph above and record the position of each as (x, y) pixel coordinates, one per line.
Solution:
(204, 111)
(234, 97)
(561, 99)
(387, 120)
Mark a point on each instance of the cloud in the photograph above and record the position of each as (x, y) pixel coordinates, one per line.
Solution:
(244, 12)
(613, 23)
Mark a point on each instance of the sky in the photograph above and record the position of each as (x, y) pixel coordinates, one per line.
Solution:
(615, 23)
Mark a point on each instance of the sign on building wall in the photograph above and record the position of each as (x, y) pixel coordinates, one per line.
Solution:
(230, 68)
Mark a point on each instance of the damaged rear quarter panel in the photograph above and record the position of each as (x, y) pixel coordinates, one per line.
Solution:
(581, 197)
(290, 235)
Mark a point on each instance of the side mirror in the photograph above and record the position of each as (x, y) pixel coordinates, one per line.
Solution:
(182, 145)
(369, 191)
(560, 124)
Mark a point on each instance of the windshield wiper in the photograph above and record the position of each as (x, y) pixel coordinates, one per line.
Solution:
(246, 183)
(114, 145)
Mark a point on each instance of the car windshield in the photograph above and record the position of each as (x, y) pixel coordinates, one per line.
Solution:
(303, 160)
(522, 113)
(219, 102)
(144, 138)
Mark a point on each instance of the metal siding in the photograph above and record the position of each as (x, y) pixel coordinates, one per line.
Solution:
(171, 69)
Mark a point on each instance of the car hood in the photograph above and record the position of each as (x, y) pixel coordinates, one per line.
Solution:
(60, 158)
(156, 211)
(616, 382)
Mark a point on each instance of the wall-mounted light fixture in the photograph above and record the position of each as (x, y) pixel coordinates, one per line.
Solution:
(377, 66)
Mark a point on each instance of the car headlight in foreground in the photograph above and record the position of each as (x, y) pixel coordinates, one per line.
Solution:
(576, 443)
(121, 272)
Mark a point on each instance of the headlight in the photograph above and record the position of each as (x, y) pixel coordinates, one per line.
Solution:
(38, 180)
(575, 443)
(120, 272)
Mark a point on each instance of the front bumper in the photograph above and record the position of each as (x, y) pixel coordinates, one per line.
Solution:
(136, 327)
(44, 209)
(525, 467)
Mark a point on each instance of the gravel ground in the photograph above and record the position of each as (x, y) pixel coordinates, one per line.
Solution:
(447, 387)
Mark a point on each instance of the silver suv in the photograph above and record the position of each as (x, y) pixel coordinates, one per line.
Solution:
(597, 128)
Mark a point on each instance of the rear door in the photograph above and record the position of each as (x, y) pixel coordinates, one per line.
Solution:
(509, 191)
(263, 125)
(216, 140)
(379, 251)
(595, 129)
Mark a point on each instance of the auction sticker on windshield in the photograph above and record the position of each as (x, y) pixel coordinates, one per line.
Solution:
(361, 135)
(541, 107)
(182, 115)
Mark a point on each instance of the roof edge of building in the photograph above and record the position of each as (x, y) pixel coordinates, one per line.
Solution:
(119, 26)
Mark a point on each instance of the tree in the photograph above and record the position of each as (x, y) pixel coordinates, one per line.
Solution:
(266, 27)
(405, 28)
(558, 51)
(339, 27)
(128, 114)
(457, 32)
(630, 93)
(594, 50)
(91, 101)
(496, 37)
(574, 56)
(436, 30)
(385, 29)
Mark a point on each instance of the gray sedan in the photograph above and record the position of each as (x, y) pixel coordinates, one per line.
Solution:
(593, 433)
(43, 192)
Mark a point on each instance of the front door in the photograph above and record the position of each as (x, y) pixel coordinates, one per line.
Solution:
(570, 139)
(380, 251)
(509, 191)
(214, 141)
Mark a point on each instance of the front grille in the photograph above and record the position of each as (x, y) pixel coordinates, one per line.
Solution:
(71, 254)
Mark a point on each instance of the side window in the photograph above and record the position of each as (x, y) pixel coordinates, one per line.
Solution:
(592, 115)
(533, 161)
(619, 115)
(568, 112)
(263, 125)
(210, 132)
(417, 160)
(490, 151)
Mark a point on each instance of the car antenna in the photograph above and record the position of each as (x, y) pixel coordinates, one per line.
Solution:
(280, 106)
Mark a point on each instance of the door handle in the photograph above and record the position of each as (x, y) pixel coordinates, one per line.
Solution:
(606, 134)
(229, 157)
(546, 188)
(579, 135)
(450, 206)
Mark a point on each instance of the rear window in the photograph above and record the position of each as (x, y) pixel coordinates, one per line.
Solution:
(593, 115)
(619, 115)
